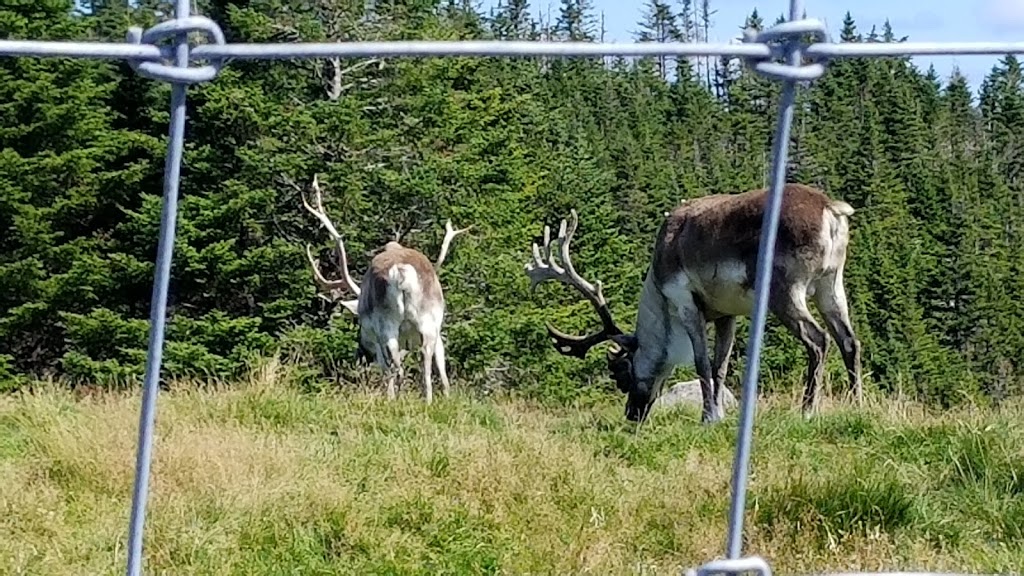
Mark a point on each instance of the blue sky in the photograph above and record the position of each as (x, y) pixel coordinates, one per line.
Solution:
(941, 20)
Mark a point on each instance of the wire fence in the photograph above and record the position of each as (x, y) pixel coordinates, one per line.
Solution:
(803, 45)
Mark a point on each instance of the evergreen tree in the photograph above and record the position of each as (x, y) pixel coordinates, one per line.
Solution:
(659, 25)
(576, 21)
(935, 274)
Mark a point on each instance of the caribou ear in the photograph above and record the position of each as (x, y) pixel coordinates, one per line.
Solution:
(627, 342)
(352, 306)
(620, 360)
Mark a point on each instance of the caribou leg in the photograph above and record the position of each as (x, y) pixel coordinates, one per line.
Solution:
(695, 328)
(830, 299)
(725, 336)
(791, 308)
(394, 367)
(427, 348)
(442, 370)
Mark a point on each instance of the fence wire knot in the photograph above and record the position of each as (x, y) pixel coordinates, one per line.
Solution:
(785, 39)
(164, 69)
(730, 567)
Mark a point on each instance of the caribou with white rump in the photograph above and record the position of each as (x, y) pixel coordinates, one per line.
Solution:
(399, 303)
(702, 270)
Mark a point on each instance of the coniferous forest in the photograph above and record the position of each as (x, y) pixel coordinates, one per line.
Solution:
(935, 274)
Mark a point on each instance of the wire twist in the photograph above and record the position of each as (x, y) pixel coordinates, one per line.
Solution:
(727, 566)
(164, 69)
(792, 35)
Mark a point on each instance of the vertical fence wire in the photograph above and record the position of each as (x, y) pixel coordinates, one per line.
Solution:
(158, 306)
(762, 284)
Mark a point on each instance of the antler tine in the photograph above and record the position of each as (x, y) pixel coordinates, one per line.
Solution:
(319, 211)
(324, 283)
(321, 215)
(540, 269)
(544, 267)
(594, 292)
(547, 242)
(449, 234)
(547, 249)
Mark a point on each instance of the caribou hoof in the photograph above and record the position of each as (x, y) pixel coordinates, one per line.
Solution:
(713, 416)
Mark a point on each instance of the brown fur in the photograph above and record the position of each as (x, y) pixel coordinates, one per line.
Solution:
(725, 227)
(393, 254)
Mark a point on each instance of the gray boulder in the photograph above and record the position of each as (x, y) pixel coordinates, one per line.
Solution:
(688, 392)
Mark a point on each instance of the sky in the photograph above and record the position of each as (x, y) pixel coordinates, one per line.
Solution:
(920, 20)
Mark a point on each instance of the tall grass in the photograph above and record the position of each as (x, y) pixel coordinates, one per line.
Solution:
(264, 478)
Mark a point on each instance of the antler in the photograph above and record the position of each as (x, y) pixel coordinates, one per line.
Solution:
(346, 281)
(449, 234)
(545, 268)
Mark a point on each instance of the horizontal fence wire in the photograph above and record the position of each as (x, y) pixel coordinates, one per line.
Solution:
(792, 51)
(497, 48)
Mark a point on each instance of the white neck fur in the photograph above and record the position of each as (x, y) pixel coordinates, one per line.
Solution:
(663, 342)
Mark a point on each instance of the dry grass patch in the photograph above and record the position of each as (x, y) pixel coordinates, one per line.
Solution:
(263, 478)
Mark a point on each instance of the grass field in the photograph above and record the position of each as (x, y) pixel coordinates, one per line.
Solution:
(261, 478)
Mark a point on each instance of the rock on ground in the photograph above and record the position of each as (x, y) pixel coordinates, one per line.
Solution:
(688, 392)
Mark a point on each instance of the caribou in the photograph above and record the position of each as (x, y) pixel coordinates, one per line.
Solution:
(398, 305)
(702, 270)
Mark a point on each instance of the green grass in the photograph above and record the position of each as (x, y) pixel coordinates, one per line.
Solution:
(263, 478)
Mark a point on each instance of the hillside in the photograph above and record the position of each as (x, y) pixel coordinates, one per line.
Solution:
(263, 478)
(935, 276)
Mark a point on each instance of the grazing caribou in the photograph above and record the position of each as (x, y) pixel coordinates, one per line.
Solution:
(702, 270)
(399, 303)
